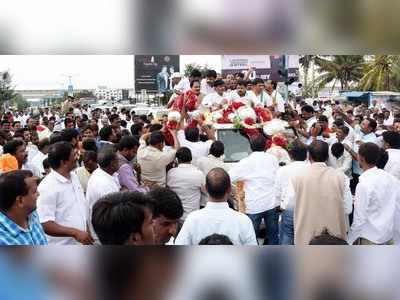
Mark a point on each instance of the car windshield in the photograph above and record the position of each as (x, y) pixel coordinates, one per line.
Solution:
(236, 145)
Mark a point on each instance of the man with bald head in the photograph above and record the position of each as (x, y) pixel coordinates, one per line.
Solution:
(217, 217)
(320, 196)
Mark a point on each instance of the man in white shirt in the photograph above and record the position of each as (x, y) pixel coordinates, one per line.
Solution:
(258, 172)
(366, 134)
(207, 84)
(24, 119)
(37, 161)
(61, 205)
(175, 79)
(258, 94)
(215, 100)
(104, 179)
(56, 116)
(307, 114)
(187, 181)
(35, 170)
(190, 138)
(25, 135)
(214, 160)
(18, 118)
(153, 160)
(241, 94)
(217, 217)
(77, 110)
(273, 97)
(340, 159)
(388, 118)
(184, 85)
(376, 201)
(392, 145)
(342, 135)
(298, 154)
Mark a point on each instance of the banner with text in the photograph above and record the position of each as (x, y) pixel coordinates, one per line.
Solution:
(265, 66)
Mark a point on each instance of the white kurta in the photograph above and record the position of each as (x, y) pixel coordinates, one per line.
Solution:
(217, 218)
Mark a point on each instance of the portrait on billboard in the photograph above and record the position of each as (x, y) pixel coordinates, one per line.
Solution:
(153, 72)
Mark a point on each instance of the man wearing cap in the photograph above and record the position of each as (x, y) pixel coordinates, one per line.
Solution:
(175, 79)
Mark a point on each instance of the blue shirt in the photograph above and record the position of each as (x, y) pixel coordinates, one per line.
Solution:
(365, 138)
(13, 234)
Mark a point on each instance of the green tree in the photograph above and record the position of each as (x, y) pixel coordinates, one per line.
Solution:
(19, 102)
(6, 89)
(395, 74)
(382, 73)
(307, 61)
(345, 69)
(190, 67)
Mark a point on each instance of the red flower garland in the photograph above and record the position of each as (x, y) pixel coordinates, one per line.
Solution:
(249, 121)
(279, 140)
(188, 99)
(237, 105)
(193, 124)
(172, 125)
(263, 114)
(169, 140)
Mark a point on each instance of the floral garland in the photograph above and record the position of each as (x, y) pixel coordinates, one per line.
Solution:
(248, 120)
(189, 100)
(279, 140)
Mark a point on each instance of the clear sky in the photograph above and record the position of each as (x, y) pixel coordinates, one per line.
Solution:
(88, 71)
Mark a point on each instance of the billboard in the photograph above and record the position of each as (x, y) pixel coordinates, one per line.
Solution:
(153, 72)
(266, 66)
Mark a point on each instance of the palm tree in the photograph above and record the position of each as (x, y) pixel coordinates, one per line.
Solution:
(345, 69)
(395, 76)
(381, 73)
(306, 61)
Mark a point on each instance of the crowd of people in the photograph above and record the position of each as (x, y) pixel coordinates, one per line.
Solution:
(77, 175)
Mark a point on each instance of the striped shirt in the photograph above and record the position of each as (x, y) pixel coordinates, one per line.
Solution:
(13, 234)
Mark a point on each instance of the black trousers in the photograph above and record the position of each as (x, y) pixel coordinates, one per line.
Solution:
(353, 186)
